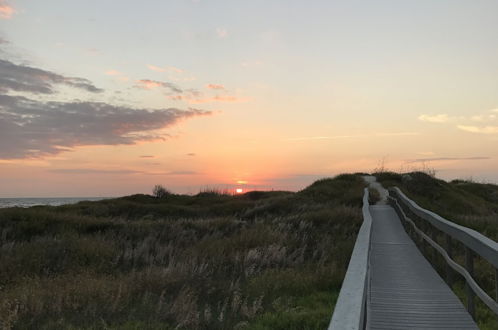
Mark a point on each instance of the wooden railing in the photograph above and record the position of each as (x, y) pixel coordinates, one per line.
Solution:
(350, 309)
(474, 243)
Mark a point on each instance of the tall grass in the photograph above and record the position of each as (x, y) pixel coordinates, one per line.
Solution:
(261, 260)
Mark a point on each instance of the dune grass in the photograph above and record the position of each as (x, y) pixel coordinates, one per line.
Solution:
(261, 260)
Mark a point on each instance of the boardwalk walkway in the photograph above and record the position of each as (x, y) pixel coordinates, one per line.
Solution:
(405, 291)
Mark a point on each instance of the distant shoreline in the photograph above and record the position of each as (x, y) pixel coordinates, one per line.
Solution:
(41, 201)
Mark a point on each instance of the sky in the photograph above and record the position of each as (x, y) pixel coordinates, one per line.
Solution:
(109, 98)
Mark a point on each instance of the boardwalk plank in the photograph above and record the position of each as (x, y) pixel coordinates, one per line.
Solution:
(405, 291)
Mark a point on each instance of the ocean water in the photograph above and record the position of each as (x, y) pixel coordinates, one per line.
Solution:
(28, 202)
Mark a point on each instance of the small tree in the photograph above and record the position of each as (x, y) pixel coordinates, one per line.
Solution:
(159, 191)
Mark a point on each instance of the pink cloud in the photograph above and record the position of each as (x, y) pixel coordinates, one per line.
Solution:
(113, 73)
(119, 76)
(148, 84)
(6, 11)
(165, 69)
(123, 78)
(156, 68)
(153, 84)
(216, 99)
(176, 97)
(172, 68)
(215, 86)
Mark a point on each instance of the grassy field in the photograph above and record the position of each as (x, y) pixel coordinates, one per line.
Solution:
(261, 260)
(470, 204)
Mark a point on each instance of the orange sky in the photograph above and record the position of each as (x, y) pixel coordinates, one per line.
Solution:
(195, 94)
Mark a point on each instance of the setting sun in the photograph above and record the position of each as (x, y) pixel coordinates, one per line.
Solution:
(239, 190)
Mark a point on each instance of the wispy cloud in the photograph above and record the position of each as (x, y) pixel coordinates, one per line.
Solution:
(467, 123)
(22, 78)
(155, 68)
(215, 86)
(441, 118)
(217, 98)
(435, 159)
(191, 95)
(479, 129)
(147, 156)
(164, 69)
(113, 73)
(87, 171)
(120, 76)
(182, 173)
(90, 171)
(152, 84)
(6, 10)
(338, 137)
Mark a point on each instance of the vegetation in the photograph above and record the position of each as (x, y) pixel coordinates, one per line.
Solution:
(470, 204)
(260, 260)
(160, 192)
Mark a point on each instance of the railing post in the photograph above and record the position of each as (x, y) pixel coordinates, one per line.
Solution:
(425, 229)
(422, 228)
(449, 271)
(469, 265)
(496, 284)
(434, 238)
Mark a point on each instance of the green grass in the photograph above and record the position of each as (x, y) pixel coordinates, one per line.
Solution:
(261, 260)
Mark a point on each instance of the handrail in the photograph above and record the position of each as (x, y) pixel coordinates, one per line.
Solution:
(480, 244)
(472, 240)
(350, 309)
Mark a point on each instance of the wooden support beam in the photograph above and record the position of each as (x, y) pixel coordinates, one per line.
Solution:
(469, 265)
(449, 271)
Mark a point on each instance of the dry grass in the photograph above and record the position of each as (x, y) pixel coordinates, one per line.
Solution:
(262, 260)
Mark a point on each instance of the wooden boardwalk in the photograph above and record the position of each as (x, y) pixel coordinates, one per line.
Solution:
(405, 292)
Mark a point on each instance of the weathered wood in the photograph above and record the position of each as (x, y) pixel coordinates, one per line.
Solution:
(480, 244)
(470, 281)
(405, 291)
(349, 312)
(496, 284)
(449, 271)
(469, 266)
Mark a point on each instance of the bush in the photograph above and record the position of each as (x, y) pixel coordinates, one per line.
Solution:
(160, 192)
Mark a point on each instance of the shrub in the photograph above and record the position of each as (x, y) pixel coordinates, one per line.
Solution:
(160, 192)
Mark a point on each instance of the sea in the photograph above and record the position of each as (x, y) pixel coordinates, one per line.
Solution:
(53, 201)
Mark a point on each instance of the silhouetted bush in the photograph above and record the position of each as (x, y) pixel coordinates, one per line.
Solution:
(159, 191)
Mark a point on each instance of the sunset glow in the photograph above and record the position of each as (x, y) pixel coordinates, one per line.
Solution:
(189, 94)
